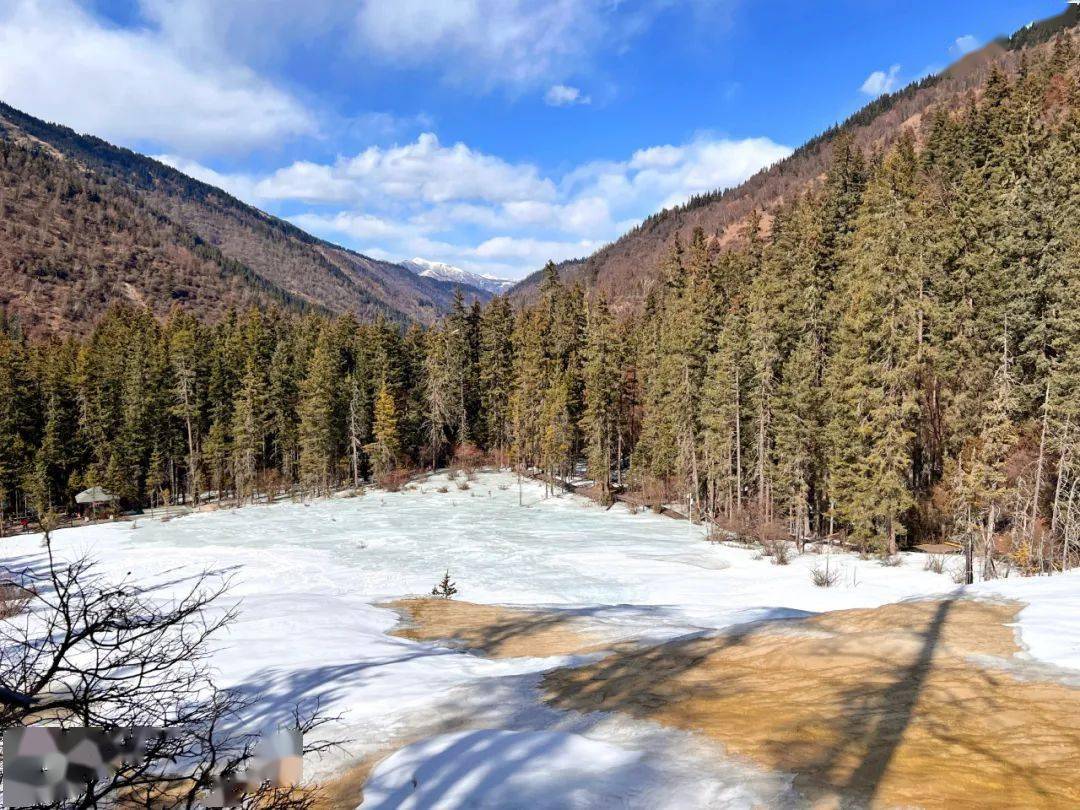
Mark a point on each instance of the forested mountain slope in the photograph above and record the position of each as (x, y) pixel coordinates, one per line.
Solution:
(85, 224)
(627, 269)
(894, 359)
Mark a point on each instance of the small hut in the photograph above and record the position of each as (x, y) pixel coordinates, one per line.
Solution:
(94, 497)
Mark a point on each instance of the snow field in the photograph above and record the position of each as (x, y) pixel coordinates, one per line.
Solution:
(308, 579)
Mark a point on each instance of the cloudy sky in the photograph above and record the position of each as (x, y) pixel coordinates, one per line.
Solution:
(491, 134)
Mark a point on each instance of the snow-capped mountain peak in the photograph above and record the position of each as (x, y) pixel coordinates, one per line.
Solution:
(447, 272)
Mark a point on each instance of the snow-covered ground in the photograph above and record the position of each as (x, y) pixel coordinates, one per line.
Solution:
(308, 577)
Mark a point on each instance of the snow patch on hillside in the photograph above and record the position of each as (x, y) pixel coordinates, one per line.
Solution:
(447, 272)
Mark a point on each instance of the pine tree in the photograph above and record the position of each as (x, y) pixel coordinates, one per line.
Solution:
(556, 430)
(248, 431)
(459, 342)
(320, 415)
(186, 352)
(385, 450)
(874, 370)
(531, 374)
(982, 489)
(18, 426)
(58, 454)
(764, 349)
(411, 396)
(599, 422)
(722, 409)
(216, 452)
(661, 451)
(445, 589)
(496, 374)
(282, 401)
(442, 390)
(796, 435)
(358, 426)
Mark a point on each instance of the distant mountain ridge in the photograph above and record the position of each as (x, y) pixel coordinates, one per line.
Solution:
(455, 275)
(84, 224)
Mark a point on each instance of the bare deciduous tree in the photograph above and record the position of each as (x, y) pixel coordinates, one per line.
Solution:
(77, 650)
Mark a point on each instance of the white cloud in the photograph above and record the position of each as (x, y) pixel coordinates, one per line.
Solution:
(429, 171)
(485, 214)
(357, 225)
(384, 126)
(561, 95)
(880, 81)
(424, 170)
(508, 43)
(965, 44)
(656, 157)
(533, 252)
(257, 32)
(516, 44)
(59, 63)
(663, 176)
(489, 42)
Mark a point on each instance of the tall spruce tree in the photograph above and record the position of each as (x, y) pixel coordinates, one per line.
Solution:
(874, 370)
(320, 414)
(385, 450)
(600, 420)
(496, 375)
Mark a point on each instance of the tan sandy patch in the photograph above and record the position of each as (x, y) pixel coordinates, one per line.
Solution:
(346, 790)
(496, 632)
(886, 707)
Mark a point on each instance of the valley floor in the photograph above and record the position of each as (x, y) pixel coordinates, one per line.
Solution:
(605, 659)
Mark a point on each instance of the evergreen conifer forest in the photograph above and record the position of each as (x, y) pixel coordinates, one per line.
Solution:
(892, 357)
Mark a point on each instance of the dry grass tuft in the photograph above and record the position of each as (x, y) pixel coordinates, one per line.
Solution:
(13, 599)
(935, 563)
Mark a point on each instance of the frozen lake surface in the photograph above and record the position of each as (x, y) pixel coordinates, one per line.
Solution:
(308, 578)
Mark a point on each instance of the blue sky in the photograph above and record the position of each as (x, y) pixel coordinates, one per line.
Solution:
(490, 134)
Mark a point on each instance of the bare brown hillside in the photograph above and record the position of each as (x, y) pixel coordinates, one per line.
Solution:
(84, 224)
(625, 270)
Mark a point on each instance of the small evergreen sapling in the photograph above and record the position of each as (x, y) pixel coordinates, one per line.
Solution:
(445, 589)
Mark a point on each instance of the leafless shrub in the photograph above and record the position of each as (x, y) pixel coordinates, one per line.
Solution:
(394, 480)
(655, 493)
(718, 534)
(442, 490)
(779, 550)
(824, 577)
(892, 560)
(463, 484)
(468, 458)
(935, 563)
